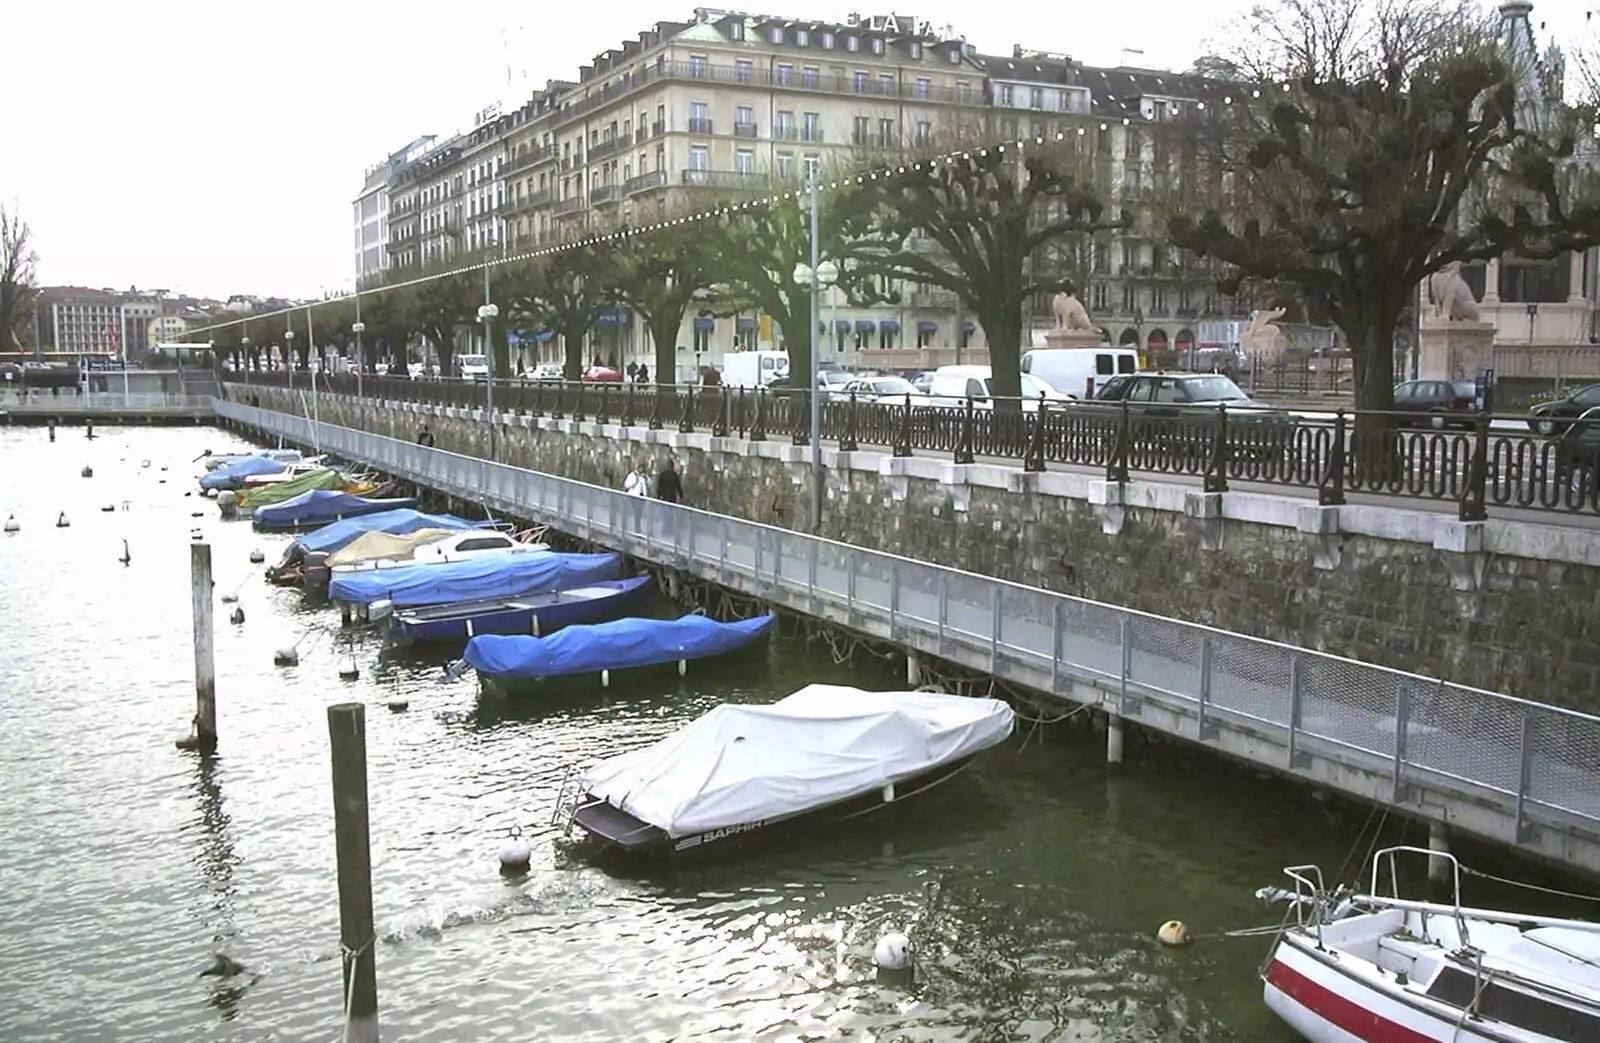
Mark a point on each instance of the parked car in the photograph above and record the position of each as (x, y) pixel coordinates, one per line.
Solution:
(1553, 417)
(923, 381)
(953, 385)
(1438, 403)
(601, 375)
(1577, 453)
(1172, 407)
(544, 371)
(830, 380)
(874, 389)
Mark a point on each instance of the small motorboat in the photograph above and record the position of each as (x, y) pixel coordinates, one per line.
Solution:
(240, 471)
(822, 755)
(214, 461)
(319, 507)
(621, 644)
(1375, 967)
(315, 547)
(379, 592)
(287, 472)
(455, 546)
(533, 614)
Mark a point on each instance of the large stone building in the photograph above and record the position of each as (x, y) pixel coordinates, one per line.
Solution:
(81, 321)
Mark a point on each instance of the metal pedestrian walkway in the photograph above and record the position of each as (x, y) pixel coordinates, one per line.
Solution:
(1505, 769)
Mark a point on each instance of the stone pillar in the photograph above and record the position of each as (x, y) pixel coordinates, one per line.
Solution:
(1439, 840)
(1491, 281)
(913, 670)
(1455, 350)
(1114, 728)
(1575, 285)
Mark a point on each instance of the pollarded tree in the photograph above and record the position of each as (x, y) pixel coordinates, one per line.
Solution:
(973, 221)
(764, 236)
(1367, 148)
(563, 292)
(440, 305)
(659, 273)
(17, 290)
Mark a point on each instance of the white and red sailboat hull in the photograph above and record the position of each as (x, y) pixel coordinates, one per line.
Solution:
(1329, 1003)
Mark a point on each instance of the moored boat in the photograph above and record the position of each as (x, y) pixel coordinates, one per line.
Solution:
(1376, 967)
(533, 614)
(621, 644)
(377, 593)
(319, 507)
(825, 754)
(316, 547)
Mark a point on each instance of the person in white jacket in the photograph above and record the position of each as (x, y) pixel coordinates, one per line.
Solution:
(636, 484)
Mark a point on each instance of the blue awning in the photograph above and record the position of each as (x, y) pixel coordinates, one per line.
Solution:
(865, 325)
(843, 325)
(544, 335)
(969, 327)
(889, 325)
(613, 317)
(746, 322)
(705, 322)
(927, 326)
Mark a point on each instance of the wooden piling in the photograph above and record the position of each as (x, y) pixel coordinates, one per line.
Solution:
(204, 736)
(347, 735)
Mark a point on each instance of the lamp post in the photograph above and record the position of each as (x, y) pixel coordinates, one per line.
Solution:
(809, 276)
(244, 356)
(358, 327)
(828, 278)
(288, 351)
(486, 314)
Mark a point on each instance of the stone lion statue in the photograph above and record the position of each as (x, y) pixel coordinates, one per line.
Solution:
(1450, 295)
(1070, 313)
(1261, 321)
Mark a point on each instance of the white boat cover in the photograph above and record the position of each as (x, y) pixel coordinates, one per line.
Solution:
(741, 764)
(371, 546)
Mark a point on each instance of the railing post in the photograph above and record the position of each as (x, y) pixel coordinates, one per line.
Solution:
(1216, 478)
(556, 412)
(894, 595)
(1296, 708)
(849, 588)
(847, 442)
(1525, 746)
(1330, 486)
(1033, 453)
(1055, 646)
(655, 406)
(1117, 462)
(1402, 715)
(758, 429)
(964, 442)
(742, 411)
(996, 620)
(944, 606)
(727, 538)
(719, 428)
(1474, 498)
(1125, 642)
(1207, 729)
(686, 418)
(902, 435)
(577, 402)
(603, 413)
(800, 422)
(813, 549)
(627, 404)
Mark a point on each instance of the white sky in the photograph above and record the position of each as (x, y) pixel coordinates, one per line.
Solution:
(178, 145)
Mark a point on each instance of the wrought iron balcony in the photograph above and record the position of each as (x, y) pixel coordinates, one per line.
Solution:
(718, 178)
(700, 126)
(603, 194)
(745, 130)
(644, 182)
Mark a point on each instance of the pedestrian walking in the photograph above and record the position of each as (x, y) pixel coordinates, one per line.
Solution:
(425, 436)
(669, 486)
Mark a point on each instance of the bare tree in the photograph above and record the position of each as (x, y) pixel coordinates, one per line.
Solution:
(18, 263)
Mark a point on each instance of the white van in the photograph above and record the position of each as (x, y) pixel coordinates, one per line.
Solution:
(753, 369)
(1071, 369)
(472, 367)
(953, 384)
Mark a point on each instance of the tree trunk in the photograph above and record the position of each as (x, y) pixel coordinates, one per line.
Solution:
(572, 344)
(795, 339)
(500, 347)
(664, 334)
(445, 348)
(1374, 444)
(1002, 328)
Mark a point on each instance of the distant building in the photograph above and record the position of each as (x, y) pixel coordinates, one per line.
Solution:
(76, 319)
(371, 209)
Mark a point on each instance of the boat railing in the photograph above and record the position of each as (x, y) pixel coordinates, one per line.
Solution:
(566, 802)
(1384, 864)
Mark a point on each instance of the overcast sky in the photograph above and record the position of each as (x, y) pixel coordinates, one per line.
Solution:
(178, 145)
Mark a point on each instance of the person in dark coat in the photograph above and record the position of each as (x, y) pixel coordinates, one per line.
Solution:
(669, 486)
(424, 436)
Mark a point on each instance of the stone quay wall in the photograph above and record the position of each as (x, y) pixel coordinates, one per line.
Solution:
(1505, 605)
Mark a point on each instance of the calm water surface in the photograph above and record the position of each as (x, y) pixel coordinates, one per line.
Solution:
(1033, 885)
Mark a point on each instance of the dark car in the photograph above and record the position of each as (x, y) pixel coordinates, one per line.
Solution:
(1577, 454)
(1168, 405)
(1553, 417)
(1437, 403)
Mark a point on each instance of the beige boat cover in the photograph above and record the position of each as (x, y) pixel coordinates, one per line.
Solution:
(370, 546)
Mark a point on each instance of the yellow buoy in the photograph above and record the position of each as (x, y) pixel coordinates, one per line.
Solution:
(1174, 933)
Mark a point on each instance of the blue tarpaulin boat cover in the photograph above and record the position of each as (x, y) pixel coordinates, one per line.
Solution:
(227, 475)
(399, 522)
(323, 505)
(474, 579)
(616, 645)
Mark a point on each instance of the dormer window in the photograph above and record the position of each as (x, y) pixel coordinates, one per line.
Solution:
(955, 55)
(877, 45)
(775, 34)
(802, 37)
(827, 41)
(916, 51)
(852, 43)
(736, 30)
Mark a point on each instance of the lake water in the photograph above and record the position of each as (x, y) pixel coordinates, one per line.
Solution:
(1032, 885)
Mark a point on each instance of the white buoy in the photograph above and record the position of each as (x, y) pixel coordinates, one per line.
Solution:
(61, 520)
(11, 524)
(1173, 933)
(515, 855)
(228, 599)
(256, 557)
(605, 679)
(683, 667)
(286, 657)
(893, 952)
(348, 671)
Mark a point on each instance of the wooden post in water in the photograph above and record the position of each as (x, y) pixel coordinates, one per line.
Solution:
(347, 734)
(204, 735)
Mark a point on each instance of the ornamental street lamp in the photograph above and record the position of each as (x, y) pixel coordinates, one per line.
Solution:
(486, 315)
(809, 276)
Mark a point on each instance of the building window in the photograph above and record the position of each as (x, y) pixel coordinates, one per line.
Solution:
(887, 133)
(810, 77)
(963, 92)
(744, 116)
(699, 118)
(802, 37)
(784, 163)
(699, 157)
(783, 125)
(812, 164)
(924, 87)
(1008, 94)
(924, 133)
(784, 75)
(1097, 296)
(1158, 300)
(827, 41)
(852, 43)
(742, 70)
(1129, 298)
(861, 131)
(1036, 129)
(860, 82)
(955, 54)
(877, 45)
(916, 51)
(745, 161)
(1036, 98)
(775, 34)
(885, 84)
(736, 30)
(813, 126)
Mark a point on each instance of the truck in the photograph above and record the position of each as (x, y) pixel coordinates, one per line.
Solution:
(754, 369)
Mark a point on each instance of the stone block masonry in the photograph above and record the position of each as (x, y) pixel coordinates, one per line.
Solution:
(1504, 605)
